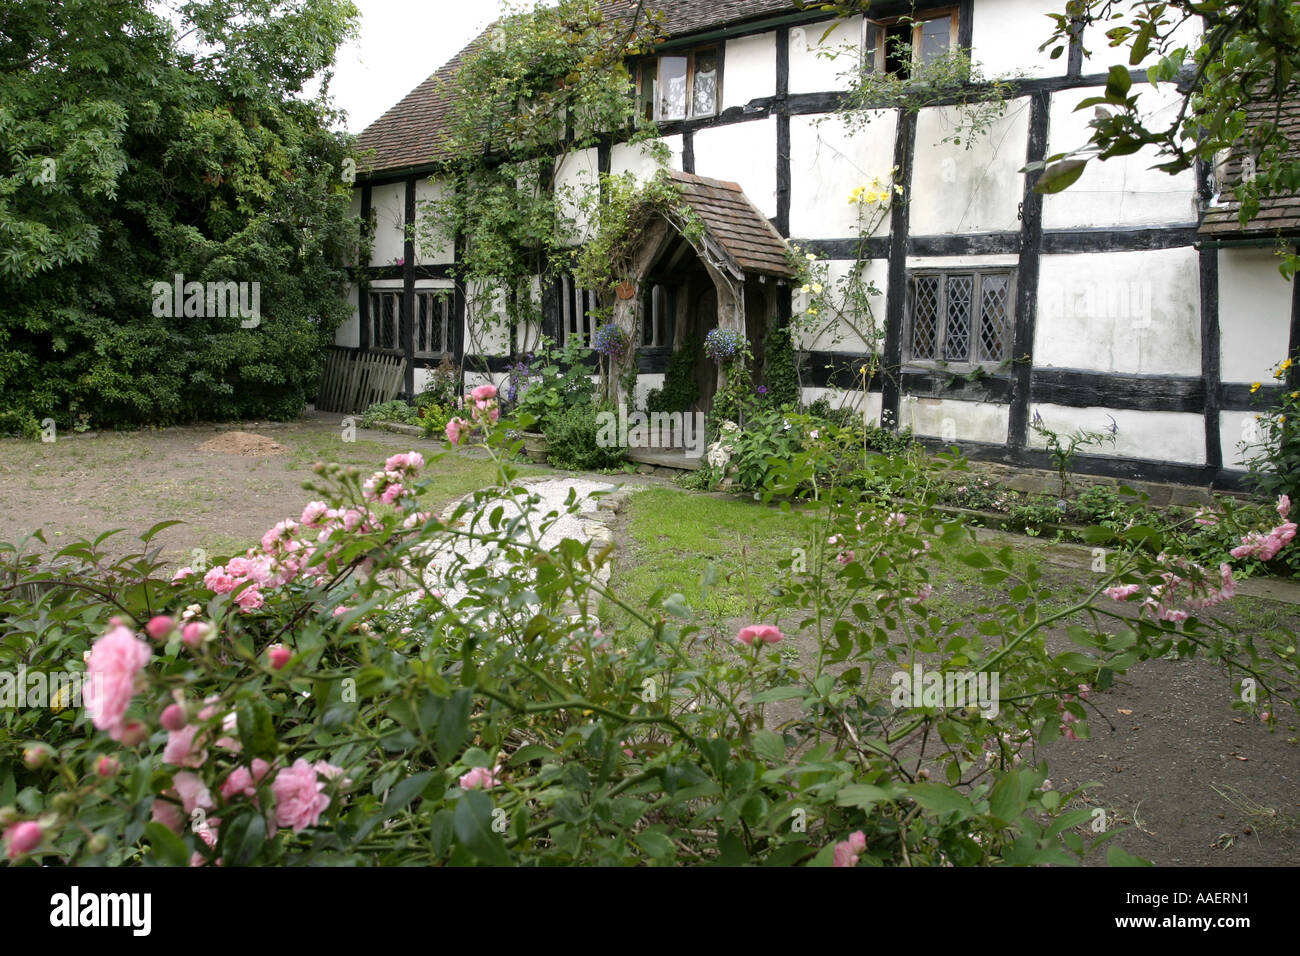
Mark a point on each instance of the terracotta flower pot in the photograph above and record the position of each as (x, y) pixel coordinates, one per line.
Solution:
(626, 290)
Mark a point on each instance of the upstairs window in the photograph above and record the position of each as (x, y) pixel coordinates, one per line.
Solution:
(959, 317)
(898, 46)
(679, 86)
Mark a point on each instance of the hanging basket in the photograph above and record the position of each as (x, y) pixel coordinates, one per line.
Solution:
(625, 290)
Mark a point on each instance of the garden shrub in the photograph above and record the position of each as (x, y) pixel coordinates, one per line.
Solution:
(1275, 465)
(680, 391)
(351, 693)
(573, 439)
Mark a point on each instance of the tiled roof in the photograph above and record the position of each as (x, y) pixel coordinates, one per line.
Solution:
(736, 225)
(413, 133)
(1277, 213)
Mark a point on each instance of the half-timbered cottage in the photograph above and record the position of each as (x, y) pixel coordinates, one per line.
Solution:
(1133, 296)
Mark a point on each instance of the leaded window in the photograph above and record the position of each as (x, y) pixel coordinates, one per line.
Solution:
(959, 317)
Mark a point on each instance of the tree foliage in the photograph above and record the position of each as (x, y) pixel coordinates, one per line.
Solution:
(135, 147)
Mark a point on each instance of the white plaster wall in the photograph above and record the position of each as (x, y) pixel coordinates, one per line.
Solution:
(578, 172)
(1007, 35)
(960, 190)
(827, 162)
(1130, 312)
(840, 336)
(812, 68)
(743, 153)
(1124, 190)
(1236, 428)
(388, 205)
(1254, 315)
(349, 332)
(954, 420)
(847, 398)
(1155, 436)
(438, 248)
(354, 211)
(638, 160)
(749, 69)
(485, 331)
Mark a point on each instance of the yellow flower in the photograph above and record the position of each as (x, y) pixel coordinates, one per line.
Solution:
(1286, 364)
(1254, 388)
(1295, 394)
(817, 288)
(806, 289)
(899, 189)
(863, 370)
(812, 311)
(810, 257)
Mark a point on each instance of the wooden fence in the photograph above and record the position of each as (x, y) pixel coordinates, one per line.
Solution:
(353, 381)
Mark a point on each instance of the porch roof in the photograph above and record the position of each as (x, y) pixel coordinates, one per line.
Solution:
(1279, 214)
(738, 230)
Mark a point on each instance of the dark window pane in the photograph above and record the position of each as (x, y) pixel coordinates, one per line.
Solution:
(956, 343)
(925, 317)
(898, 48)
(935, 36)
(994, 294)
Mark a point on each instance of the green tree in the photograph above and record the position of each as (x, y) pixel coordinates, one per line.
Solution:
(134, 147)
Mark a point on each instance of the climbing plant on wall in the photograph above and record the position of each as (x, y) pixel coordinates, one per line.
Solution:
(542, 84)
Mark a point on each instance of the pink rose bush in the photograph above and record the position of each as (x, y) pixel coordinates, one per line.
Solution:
(848, 851)
(115, 662)
(484, 410)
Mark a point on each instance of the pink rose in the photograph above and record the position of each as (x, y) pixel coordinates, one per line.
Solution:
(299, 801)
(182, 574)
(846, 853)
(181, 749)
(218, 581)
(1284, 506)
(759, 634)
(244, 781)
(159, 627)
(194, 795)
(115, 660)
(845, 557)
(250, 598)
(23, 838)
(279, 655)
(456, 428)
(483, 393)
(195, 633)
(479, 779)
(1123, 592)
(168, 814)
(410, 462)
(313, 513)
(107, 766)
(133, 733)
(173, 717)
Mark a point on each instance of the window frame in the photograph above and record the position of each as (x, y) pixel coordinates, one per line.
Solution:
(972, 358)
(377, 319)
(655, 63)
(880, 54)
(577, 306)
(444, 297)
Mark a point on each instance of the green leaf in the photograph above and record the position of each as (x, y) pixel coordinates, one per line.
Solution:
(1118, 82)
(1060, 176)
(1007, 801)
(1118, 856)
(778, 693)
(940, 799)
(473, 825)
(167, 847)
(769, 746)
(863, 795)
(241, 844)
(406, 791)
(453, 722)
(256, 730)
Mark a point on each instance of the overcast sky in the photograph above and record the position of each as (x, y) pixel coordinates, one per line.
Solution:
(402, 42)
